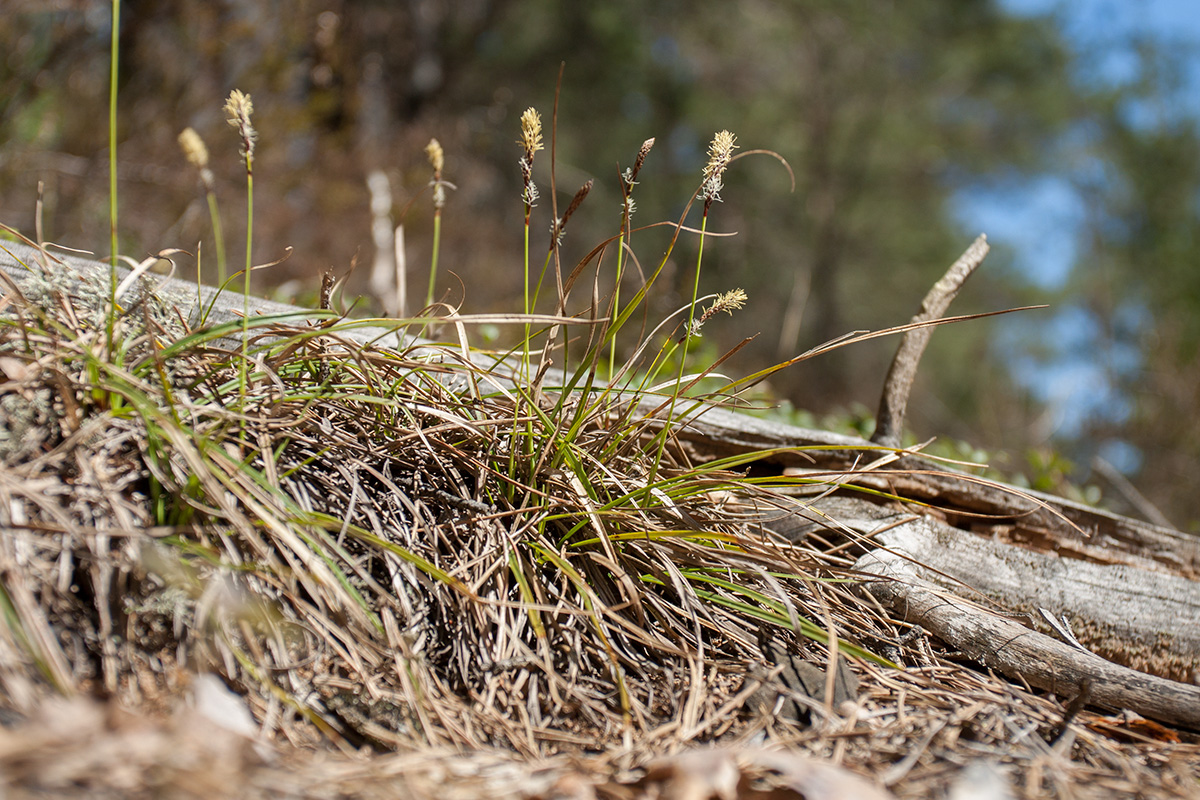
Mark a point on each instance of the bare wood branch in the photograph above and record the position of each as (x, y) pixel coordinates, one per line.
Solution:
(893, 404)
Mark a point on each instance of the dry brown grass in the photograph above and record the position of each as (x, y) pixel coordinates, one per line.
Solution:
(416, 576)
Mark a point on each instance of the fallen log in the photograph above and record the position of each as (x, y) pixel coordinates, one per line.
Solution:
(1003, 644)
(1140, 629)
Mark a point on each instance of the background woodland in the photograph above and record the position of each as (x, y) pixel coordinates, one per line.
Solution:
(888, 114)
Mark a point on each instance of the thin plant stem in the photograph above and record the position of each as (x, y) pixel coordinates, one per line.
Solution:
(525, 344)
(246, 277)
(433, 262)
(531, 143)
(687, 334)
(112, 165)
(218, 235)
(196, 153)
(625, 234)
(112, 135)
(528, 212)
(239, 108)
(720, 153)
(683, 350)
(437, 160)
(628, 181)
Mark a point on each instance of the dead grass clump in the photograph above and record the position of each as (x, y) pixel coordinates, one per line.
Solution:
(398, 548)
(373, 545)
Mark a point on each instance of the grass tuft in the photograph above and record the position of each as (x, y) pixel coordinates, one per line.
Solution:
(500, 556)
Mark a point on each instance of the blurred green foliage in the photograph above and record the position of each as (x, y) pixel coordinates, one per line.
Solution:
(882, 110)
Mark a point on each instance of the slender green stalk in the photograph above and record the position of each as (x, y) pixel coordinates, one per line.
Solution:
(531, 142)
(433, 261)
(556, 234)
(218, 235)
(437, 161)
(112, 135)
(525, 263)
(197, 155)
(720, 153)
(239, 108)
(628, 181)
(683, 351)
(616, 304)
(112, 164)
(249, 243)
(691, 326)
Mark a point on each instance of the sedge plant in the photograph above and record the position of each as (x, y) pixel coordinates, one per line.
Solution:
(437, 160)
(114, 58)
(196, 153)
(238, 109)
(382, 504)
(585, 537)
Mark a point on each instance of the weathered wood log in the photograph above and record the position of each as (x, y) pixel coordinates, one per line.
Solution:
(1140, 626)
(1008, 647)
(978, 593)
(1146, 619)
(38, 273)
(969, 501)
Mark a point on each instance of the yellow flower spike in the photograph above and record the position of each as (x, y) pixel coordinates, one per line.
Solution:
(531, 132)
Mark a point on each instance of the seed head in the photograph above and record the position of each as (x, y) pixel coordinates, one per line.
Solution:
(239, 108)
(437, 158)
(531, 142)
(560, 226)
(530, 194)
(193, 148)
(728, 302)
(720, 152)
(531, 132)
(197, 155)
(643, 151)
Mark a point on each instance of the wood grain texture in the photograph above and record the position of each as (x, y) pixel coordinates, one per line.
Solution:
(1012, 649)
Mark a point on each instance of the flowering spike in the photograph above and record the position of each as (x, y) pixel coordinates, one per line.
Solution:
(193, 148)
(531, 132)
(239, 108)
(643, 151)
(531, 142)
(720, 152)
(560, 226)
(437, 158)
(728, 302)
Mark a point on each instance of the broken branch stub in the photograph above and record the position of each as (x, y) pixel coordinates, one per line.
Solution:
(889, 422)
